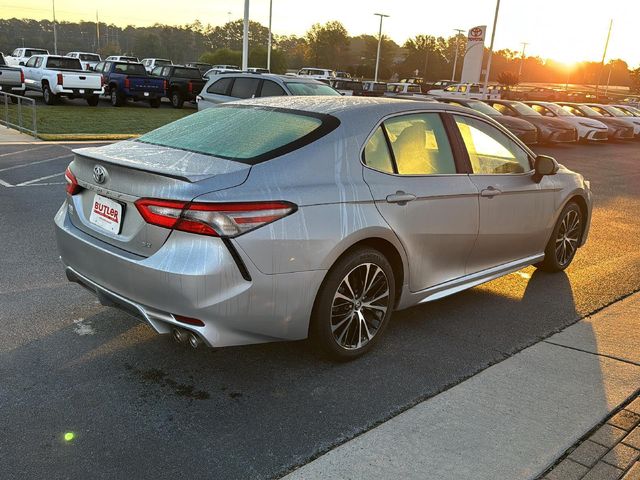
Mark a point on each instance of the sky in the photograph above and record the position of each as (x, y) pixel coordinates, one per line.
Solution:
(564, 30)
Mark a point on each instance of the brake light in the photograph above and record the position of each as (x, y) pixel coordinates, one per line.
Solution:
(72, 183)
(213, 219)
(102, 80)
(190, 87)
(127, 83)
(60, 79)
(165, 84)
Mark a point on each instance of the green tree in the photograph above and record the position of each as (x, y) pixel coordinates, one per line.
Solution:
(327, 45)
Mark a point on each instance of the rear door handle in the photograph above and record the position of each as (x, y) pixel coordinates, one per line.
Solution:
(490, 192)
(401, 198)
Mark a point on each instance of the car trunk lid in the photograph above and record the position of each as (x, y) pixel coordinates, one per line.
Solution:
(115, 176)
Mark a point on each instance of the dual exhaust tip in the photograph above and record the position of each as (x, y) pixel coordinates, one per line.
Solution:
(180, 335)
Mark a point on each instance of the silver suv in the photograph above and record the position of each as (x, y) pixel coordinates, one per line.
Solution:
(228, 87)
(286, 218)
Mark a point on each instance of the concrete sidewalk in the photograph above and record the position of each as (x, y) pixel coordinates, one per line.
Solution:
(510, 421)
(9, 135)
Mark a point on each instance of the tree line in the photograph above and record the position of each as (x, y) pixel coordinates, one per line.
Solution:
(326, 45)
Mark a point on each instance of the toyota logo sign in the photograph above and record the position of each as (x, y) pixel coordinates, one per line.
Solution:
(99, 174)
(476, 34)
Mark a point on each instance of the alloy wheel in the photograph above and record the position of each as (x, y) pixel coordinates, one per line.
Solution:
(568, 236)
(359, 306)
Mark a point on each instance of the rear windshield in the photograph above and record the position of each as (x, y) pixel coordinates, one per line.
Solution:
(130, 68)
(162, 62)
(89, 57)
(64, 62)
(308, 88)
(34, 51)
(244, 133)
(187, 73)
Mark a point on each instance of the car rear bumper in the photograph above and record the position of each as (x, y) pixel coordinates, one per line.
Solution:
(196, 277)
(78, 92)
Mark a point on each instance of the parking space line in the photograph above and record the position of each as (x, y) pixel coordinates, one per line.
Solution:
(36, 163)
(22, 151)
(5, 184)
(29, 182)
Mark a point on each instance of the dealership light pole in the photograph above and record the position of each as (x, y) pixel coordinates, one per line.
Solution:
(524, 46)
(55, 32)
(604, 55)
(455, 61)
(493, 36)
(269, 43)
(381, 15)
(245, 37)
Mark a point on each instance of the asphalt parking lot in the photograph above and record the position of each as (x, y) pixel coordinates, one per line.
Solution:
(141, 406)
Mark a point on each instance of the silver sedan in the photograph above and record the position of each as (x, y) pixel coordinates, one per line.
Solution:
(286, 218)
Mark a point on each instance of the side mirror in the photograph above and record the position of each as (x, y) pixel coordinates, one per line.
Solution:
(544, 165)
(21, 64)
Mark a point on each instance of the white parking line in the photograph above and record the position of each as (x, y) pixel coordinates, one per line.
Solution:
(35, 163)
(29, 182)
(5, 184)
(22, 151)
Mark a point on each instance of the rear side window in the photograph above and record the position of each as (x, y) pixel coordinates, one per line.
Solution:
(244, 87)
(231, 132)
(376, 153)
(221, 87)
(271, 89)
(89, 57)
(420, 144)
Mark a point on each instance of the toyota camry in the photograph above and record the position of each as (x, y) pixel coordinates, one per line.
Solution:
(285, 218)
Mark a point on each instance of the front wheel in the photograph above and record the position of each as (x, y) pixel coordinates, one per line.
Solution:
(176, 99)
(49, 97)
(564, 241)
(354, 305)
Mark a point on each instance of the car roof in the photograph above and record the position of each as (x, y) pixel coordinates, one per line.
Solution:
(272, 76)
(344, 106)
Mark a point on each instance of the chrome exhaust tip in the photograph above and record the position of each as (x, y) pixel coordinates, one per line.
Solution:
(194, 340)
(180, 335)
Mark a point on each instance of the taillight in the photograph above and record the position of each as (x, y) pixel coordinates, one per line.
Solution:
(102, 80)
(59, 79)
(190, 87)
(214, 219)
(72, 183)
(165, 85)
(21, 76)
(127, 83)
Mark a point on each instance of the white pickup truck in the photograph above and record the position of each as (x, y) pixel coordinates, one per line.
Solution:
(20, 55)
(466, 90)
(57, 76)
(11, 79)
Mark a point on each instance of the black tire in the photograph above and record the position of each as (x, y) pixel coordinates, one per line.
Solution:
(155, 102)
(116, 97)
(93, 100)
(48, 96)
(336, 327)
(564, 241)
(177, 100)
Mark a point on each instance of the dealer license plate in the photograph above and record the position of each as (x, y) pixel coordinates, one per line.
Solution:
(106, 214)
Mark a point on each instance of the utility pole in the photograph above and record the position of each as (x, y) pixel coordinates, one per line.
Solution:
(228, 30)
(245, 37)
(493, 36)
(269, 43)
(455, 61)
(55, 32)
(97, 31)
(604, 54)
(381, 15)
(524, 46)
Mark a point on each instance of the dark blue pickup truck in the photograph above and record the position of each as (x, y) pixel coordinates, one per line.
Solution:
(124, 80)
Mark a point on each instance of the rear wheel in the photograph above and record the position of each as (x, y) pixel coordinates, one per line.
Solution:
(48, 95)
(93, 100)
(563, 245)
(176, 99)
(354, 305)
(154, 102)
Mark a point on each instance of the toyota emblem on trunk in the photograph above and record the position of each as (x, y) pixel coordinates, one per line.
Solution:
(99, 174)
